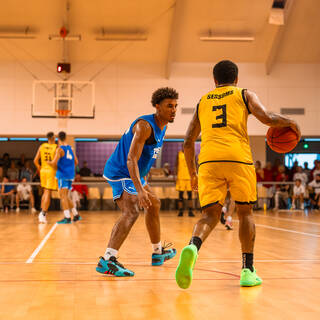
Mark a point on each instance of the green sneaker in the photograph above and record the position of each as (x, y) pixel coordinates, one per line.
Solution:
(249, 278)
(188, 258)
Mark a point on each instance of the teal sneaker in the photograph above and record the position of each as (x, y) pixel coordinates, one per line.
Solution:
(188, 258)
(249, 278)
(113, 267)
(159, 259)
(77, 218)
(64, 221)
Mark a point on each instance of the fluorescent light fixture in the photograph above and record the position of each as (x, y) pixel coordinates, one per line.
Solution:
(225, 38)
(42, 139)
(85, 139)
(16, 36)
(67, 38)
(173, 140)
(123, 37)
(312, 139)
(22, 139)
(3, 139)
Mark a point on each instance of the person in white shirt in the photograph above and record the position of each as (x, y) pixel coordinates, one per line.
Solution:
(24, 193)
(298, 194)
(314, 191)
(301, 176)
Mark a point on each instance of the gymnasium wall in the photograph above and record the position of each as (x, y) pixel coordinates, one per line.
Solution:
(123, 92)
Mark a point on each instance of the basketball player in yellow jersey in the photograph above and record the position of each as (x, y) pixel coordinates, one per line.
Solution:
(225, 161)
(47, 173)
(183, 183)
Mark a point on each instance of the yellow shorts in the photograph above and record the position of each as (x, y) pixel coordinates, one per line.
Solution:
(48, 179)
(215, 178)
(183, 185)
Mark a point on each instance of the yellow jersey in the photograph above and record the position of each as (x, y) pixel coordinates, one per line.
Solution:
(223, 115)
(47, 152)
(183, 172)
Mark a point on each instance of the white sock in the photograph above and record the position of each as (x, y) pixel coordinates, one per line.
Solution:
(110, 253)
(43, 213)
(229, 219)
(74, 211)
(67, 213)
(224, 210)
(157, 248)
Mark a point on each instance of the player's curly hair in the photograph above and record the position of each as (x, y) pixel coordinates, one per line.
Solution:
(163, 93)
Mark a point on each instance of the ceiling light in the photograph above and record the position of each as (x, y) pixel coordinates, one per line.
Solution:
(220, 38)
(67, 38)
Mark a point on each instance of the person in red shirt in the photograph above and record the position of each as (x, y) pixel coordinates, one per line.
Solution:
(282, 189)
(78, 192)
(268, 176)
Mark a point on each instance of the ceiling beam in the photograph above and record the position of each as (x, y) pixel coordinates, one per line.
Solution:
(172, 37)
(278, 18)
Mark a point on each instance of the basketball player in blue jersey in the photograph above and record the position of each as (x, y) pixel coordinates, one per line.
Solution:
(65, 160)
(125, 171)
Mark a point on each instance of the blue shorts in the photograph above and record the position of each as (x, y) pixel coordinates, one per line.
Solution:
(126, 184)
(65, 184)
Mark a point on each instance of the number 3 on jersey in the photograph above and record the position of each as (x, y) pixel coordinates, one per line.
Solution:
(220, 112)
(69, 155)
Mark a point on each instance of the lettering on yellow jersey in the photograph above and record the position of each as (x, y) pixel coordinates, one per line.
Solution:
(220, 96)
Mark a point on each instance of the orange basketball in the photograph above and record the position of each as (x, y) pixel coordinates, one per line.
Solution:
(282, 140)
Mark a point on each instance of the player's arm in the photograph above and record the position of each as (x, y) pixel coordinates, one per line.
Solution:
(59, 154)
(142, 132)
(192, 134)
(75, 158)
(36, 160)
(269, 118)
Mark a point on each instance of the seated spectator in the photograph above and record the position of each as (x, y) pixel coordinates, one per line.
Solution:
(78, 192)
(167, 170)
(24, 193)
(85, 171)
(6, 195)
(298, 194)
(314, 192)
(26, 172)
(13, 172)
(301, 176)
(281, 190)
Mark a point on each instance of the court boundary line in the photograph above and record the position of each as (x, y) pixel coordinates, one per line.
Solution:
(287, 219)
(42, 243)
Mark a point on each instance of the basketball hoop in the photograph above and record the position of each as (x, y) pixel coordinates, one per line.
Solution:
(63, 113)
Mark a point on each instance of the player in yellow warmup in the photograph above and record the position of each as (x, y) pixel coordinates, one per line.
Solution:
(183, 184)
(225, 161)
(47, 173)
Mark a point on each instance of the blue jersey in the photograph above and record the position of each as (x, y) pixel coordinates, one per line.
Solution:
(116, 166)
(66, 167)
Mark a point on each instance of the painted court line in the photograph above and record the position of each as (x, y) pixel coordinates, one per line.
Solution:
(42, 243)
(288, 219)
(288, 230)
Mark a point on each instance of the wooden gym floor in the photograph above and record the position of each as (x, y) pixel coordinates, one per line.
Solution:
(48, 271)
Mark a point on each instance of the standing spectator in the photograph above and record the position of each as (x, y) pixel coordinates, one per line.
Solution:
(314, 191)
(7, 194)
(300, 175)
(85, 171)
(293, 170)
(78, 192)
(1, 173)
(5, 161)
(312, 170)
(281, 190)
(298, 194)
(24, 193)
(26, 172)
(316, 170)
(306, 170)
(13, 172)
(275, 168)
(261, 191)
(259, 171)
(22, 161)
(268, 176)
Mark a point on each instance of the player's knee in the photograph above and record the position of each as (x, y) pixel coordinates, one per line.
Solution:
(156, 204)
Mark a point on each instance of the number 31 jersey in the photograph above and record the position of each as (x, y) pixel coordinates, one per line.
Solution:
(223, 115)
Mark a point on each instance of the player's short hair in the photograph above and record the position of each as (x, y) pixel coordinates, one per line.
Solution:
(62, 136)
(163, 93)
(225, 71)
(50, 135)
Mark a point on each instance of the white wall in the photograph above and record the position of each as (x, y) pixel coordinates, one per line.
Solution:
(124, 92)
